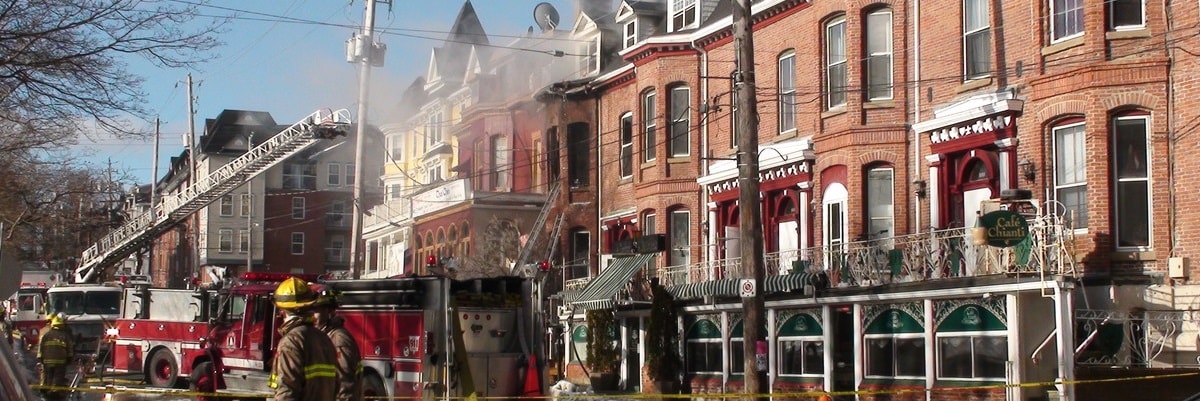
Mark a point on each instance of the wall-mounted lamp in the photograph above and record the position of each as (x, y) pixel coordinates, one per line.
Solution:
(919, 188)
(704, 228)
(1027, 169)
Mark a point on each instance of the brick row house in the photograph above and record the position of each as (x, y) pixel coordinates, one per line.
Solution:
(891, 134)
(293, 218)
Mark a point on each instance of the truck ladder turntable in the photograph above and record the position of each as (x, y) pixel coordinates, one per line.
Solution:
(171, 210)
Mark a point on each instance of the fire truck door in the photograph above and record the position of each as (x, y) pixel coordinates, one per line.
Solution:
(259, 330)
(241, 310)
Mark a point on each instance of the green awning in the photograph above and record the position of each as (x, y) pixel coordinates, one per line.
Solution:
(598, 294)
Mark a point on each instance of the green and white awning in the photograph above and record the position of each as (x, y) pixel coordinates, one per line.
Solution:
(728, 287)
(598, 294)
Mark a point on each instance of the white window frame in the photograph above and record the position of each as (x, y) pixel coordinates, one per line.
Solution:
(247, 206)
(872, 201)
(1069, 12)
(879, 53)
(898, 336)
(969, 336)
(649, 223)
(348, 174)
(626, 155)
(680, 249)
(243, 240)
(835, 59)
(975, 26)
(835, 195)
(680, 145)
(803, 341)
(590, 62)
(501, 162)
(298, 207)
(225, 240)
(226, 206)
(684, 14)
(396, 147)
(1111, 8)
(433, 131)
(630, 33)
(1145, 217)
(786, 79)
(1078, 161)
(649, 127)
(334, 176)
(297, 241)
(708, 343)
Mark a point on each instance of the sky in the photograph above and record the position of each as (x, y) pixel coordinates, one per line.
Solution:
(293, 69)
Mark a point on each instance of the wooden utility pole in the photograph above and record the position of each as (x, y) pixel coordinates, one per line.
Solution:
(367, 54)
(750, 215)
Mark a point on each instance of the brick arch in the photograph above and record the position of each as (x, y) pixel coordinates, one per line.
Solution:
(874, 4)
(1054, 110)
(1125, 100)
(879, 156)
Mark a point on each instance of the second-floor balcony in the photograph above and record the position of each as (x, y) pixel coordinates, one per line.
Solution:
(932, 255)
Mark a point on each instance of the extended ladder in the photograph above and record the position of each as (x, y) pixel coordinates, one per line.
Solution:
(539, 225)
(123, 241)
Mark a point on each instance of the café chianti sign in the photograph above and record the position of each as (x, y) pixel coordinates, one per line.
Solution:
(1004, 228)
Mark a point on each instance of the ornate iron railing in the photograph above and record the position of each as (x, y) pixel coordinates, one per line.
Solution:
(929, 255)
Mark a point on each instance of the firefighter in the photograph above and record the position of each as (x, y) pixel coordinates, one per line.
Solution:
(349, 360)
(305, 363)
(55, 350)
(5, 328)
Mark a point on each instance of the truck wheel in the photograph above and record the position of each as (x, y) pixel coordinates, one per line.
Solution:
(373, 387)
(203, 381)
(162, 370)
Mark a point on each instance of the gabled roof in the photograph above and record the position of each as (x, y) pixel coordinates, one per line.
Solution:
(234, 124)
(449, 62)
(641, 7)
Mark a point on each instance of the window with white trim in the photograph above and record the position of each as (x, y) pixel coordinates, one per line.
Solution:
(1066, 19)
(299, 176)
(225, 240)
(627, 145)
(649, 125)
(590, 62)
(786, 71)
(1132, 174)
(703, 348)
(433, 131)
(334, 176)
(680, 253)
(227, 205)
(684, 14)
(246, 204)
(298, 207)
(801, 347)
(1070, 172)
(1124, 15)
(896, 351)
(243, 240)
(297, 243)
(972, 344)
(579, 342)
(835, 63)
(396, 147)
(631, 36)
(834, 225)
(501, 167)
(881, 202)
(649, 225)
(977, 39)
(348, 174)
(879, 54)
(679, 144)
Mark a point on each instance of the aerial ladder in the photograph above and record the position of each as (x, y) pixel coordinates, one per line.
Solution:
(129, 237)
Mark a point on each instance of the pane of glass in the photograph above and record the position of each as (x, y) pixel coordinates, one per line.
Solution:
(1133, 228)
(1074, 200)
(979, 54)
(713, 356)
(879, 32)
(1131, 148)
(1125, 13)
(991, 355)
(880, 353)
(837, 85)
(910, 357)
(835, 222)
(790, 358)
(737, 361)
(975, 14)
(1070, 161)
(879, 69)
(835, 48)
(954, 357)
(814, 357)
(879, 193)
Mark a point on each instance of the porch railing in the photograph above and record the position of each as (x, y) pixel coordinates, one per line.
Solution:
(930, 255)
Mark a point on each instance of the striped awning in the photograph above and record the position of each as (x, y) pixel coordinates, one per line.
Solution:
(599, 292)
(728, 287)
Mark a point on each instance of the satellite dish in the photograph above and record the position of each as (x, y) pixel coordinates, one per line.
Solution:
(545, 16)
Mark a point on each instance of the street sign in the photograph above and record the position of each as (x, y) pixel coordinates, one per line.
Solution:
(746, 287)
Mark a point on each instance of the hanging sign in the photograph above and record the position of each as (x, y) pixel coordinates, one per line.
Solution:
(1005, 228)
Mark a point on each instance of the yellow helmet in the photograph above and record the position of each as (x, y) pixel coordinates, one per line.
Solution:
(57, 321)
(293, 294)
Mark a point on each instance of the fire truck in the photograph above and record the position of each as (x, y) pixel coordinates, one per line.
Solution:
(27, 311)
(420, 337)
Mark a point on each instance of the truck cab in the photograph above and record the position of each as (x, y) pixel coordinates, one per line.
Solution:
(89, 309)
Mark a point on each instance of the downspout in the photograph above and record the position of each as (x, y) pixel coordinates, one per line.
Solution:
(1170, 128)
(709, 251)
(599, 193)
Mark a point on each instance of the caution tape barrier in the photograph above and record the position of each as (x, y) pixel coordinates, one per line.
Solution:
(113, 388)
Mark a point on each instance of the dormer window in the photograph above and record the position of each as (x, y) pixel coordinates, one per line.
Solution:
(683, 14)
(631, 36)
(590, 62)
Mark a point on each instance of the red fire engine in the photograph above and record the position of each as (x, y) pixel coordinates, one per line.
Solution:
(27, 311)
(400, 325)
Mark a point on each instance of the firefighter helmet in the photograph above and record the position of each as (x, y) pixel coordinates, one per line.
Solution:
(57, 321)
(293, 294)
(326, 297)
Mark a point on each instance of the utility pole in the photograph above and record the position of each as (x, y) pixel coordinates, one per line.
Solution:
(149, 270)
(362, 49)
(250, 212)
(194, 261)
(749, 210)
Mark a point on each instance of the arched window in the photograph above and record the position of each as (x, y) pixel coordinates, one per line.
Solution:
(786, 72)
(879, 54)
(1131, 173)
